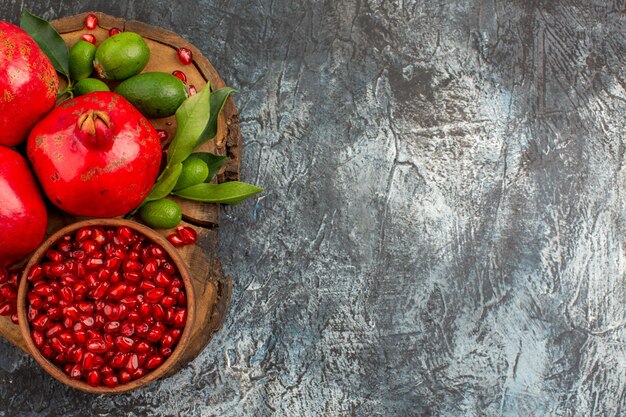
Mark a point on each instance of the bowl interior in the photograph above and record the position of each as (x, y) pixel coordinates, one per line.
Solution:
(54, 370)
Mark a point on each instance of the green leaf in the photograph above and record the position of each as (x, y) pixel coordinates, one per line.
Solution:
(191, 120)
(218, 99)
(166, 182)
(214, 162)
(48, 40)
(233, 192)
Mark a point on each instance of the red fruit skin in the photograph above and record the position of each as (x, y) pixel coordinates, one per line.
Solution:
(23, 216)
(103, 172)
(28, 84)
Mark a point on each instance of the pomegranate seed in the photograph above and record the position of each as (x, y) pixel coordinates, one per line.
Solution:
(81, 337)
(80, 288)
(162, 279)
(43, 290)
(91, 21)
(114, 31)
(169, 268)
(175, 240)
(155, 294)
(86, 307)
(54, 330)
(101, 291)
(139, 373)
(6, 307)
(112, 327)
(93, 263)
(142, 347)
(76, 354)
(168, 301)
(66, 337)
(124, 377)
(40, 322)
(134, 316)
(154, 361)
(110, 381)
(15, 319)
(180, 318)
(155, 334)
(96, 346)
(125, 235)
(158, 312)
(35, 274)
(106, 369)
(165, 351)
(180, 75)
(132, 276)
(47, 351)
(93, 378)
(192, 90)
(188, 234)
(142, 329)
(185, 56)
(88, 37)
(58, 345)
(76, 372)
(117, 291)
(147, 285)
(37, 337)
(64, 247)
(163, 135)
(150, 269)
(133, 363)
(127, 329)
(124, 343)
(54, 255)
(8, 292)
(4, 275)
(67, 294)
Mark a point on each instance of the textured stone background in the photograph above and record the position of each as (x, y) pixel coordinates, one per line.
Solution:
(443, 231)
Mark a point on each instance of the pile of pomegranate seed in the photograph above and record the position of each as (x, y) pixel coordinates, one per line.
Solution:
(88, 37)
(185, 56)
(106, 305)
(91, 21)
(184, 235)
(9, 281)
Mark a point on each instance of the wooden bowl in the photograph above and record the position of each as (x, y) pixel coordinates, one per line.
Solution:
(169, 364)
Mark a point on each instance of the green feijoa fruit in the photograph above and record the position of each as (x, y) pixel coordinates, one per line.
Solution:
(89, 85)
(161, 214)
(195, 171)
(81, 59)
(121, 56)
(155, 94)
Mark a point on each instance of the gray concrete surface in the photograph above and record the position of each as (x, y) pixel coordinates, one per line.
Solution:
(443, 231)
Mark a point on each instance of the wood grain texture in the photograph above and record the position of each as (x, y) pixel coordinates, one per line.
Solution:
(443, 231)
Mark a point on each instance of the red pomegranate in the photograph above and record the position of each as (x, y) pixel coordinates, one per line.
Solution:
(28, 84)
(95, 155)
(23, 216)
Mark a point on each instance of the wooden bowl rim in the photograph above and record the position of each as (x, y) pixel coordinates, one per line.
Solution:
(53, 369)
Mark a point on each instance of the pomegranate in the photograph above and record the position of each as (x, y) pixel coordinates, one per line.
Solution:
(23, 215)
(95, 155)
(106, 305)
(28, 83)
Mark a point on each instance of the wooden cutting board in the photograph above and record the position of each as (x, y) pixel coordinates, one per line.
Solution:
(213, 289)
